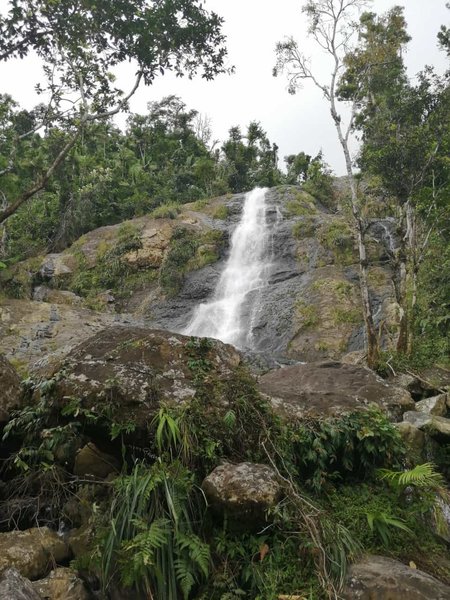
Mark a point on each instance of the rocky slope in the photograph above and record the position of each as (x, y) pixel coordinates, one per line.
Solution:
(155, 271)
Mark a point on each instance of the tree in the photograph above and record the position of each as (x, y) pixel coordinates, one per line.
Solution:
(80, 43)
(331, 24)
(403, 127)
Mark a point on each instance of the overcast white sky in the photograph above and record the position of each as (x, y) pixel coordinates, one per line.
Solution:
(253, 27)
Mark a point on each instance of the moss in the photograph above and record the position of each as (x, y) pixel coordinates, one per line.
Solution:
(304, 228)
(221, 212)
(347, 315)
(166, 211)
(200, 204)
(188, 251)
(300, 204)
(337, 237)
(17, 280)
(307, 314)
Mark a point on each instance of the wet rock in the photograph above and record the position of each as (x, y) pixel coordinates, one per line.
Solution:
(92, 461)
(436, 405)
(436, 427)
(15, 587)
(61, 584)
(244, 491)
(380, 578)
(330, 389)
(133, 369)
(10, 390)
(32, 551)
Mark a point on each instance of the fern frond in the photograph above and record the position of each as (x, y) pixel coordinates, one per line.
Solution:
(421, 476)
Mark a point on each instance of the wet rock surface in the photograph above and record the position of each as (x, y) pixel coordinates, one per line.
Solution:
(331, 388)
(381, 578)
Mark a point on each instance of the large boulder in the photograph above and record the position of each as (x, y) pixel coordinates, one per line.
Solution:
(331, 389)
(132, 370)
(244, 491)
(61, 584)
(15, 587)
(32, 551)
(436, 427)
(89, 460)
(436, 405)
(381, 578)
(10, 391)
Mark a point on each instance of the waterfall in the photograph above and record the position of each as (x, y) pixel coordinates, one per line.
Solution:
(229, 315)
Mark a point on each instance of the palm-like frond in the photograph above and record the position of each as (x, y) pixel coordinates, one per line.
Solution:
(421, 476)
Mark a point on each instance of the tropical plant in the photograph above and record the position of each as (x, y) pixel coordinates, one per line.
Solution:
(382, 524)
(152, 541)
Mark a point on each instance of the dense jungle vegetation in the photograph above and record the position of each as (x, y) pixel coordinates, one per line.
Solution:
(350, 485)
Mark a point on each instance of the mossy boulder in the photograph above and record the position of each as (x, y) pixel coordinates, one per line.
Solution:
(130, 371)
(244, 492)
(32, 552)
(62, 584)
(15, 587)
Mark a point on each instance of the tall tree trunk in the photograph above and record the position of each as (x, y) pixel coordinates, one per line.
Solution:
(373, 350)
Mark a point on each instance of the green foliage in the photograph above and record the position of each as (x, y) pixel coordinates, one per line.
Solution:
(307, 314)
(337, 237)
(166, 211)
(421, 476)
(188, 250)
(382, 524)
(150, 542)
(349, 447)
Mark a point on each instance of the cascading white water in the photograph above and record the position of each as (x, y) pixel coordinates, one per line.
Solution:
(229, 314)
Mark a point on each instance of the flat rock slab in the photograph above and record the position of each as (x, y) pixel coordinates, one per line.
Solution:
(330, 389)
(380, 578)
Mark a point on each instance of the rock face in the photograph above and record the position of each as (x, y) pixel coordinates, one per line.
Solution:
(132, 369)
(61, 584)
(436, 427)
(92, 461)
(29, 331)
(436, 405)
(31, 552)
(311, 305)
(244, 491)
(15, 587)
(10, 391)
(380, 578)
(330, 389)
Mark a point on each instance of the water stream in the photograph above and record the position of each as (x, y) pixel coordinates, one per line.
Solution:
(230, 313)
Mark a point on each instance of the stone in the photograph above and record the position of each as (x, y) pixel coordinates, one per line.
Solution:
(32, 551)
(61, 584)
(436, 405)
(31, 337)
(436, 427)
(89, 460)
(15, 587)
(381, 578)
(331, 388)
(10, 389)
(415, 442)
(244, 491)
(133, 369)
